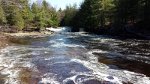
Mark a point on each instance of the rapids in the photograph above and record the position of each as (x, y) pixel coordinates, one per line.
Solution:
(75, 58)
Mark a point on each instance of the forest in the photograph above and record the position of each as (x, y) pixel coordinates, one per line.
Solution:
(110, 17)
(20, 15)
(97, 16)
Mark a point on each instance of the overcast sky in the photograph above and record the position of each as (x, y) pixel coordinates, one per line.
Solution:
(61, 3)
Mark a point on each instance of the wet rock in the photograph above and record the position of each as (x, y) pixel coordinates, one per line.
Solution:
(1, 68)
(94, 81)
(110, 77)
(2, 79)
(82, 77)
(70, 82)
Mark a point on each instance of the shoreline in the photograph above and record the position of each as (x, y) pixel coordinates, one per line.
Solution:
(5, 37)
(4, 40)
(29, 34)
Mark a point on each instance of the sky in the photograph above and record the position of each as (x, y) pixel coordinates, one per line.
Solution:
(61, 3)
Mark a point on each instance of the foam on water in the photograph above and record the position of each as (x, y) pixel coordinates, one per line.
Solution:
(103, 72)
(13, 63)
(139, 58)
(96, 51)
(98, 71)
(49, 78)
(62, 44)
(118, 75)
(92, 75)
(56, 29)
(58, 68)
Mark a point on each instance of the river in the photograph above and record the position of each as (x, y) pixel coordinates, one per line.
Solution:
(75, 58)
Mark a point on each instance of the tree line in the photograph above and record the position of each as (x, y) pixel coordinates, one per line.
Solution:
(21, 15)
(94, 15)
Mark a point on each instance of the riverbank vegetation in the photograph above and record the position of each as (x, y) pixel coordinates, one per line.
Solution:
(111, 17)
(18, 15)
(115, 17)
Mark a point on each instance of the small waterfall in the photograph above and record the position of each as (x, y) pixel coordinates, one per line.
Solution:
(59, 29)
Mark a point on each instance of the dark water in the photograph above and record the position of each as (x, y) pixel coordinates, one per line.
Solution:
(75, 58)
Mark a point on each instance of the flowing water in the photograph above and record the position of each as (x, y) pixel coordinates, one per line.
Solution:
(75, 58)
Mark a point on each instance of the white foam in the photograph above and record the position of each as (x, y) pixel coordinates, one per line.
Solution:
(144, 59)
(61, 39)
(92, 75)
(52, 41)
(92, 57)
(102, 71)
(13, 63)
(62, 44)
(102, 39)
(96, 51)
(98, 70)
(48, 78)
(144, 80)
(56, 29)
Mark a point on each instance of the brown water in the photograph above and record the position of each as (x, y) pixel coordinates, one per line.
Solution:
(75, 58)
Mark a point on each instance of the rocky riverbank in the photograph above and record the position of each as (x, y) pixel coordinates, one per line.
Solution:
(6, 37)
(29, 34)
(4, 40)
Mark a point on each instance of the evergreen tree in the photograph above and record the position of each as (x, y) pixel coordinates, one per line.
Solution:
(94, 14)
(69, 12)
(107, 11)
(16, 18)
(20, 14)
(26, 13)
(13, 14)
(2, 15)
(54, 18)
(127, 10)
(37, 19)
(44, 15)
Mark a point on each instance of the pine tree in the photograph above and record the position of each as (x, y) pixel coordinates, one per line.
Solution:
(20, 14)
(94, 14)
(2, 15)
(16, 19)
(13, 14)
(69, 12)
(46, 14)
(26, 13)
(37, 16)
(107, 11)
